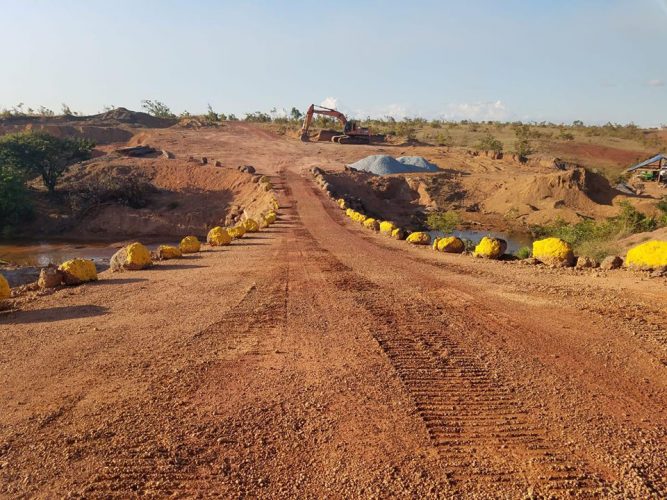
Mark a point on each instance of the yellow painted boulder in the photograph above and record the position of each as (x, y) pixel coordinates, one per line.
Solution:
(250, 225)
(77, 271)
(490, 248)
(553, 252)
(167, 252)
(649, 255)
(398, 234)
(270, 218)
(190, 244)
(387, 227)
(132, 257)
(218, 236)
(236, 232)
(371, 223)
(138, 256)
(435, 243)
(5, 291)
(342, 203)
(355, 216)
(419, 238)
(450, 244)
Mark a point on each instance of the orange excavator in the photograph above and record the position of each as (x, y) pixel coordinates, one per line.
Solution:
(352, 133)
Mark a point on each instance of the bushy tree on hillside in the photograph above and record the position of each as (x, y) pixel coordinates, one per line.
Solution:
(42, 154)
(490, 143)
(157, 108)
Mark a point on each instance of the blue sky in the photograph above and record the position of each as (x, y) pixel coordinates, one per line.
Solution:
(556, 60)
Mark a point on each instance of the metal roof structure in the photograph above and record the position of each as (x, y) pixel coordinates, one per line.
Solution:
(658, 157)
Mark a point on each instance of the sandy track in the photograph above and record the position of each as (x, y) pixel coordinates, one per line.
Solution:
(317, 359)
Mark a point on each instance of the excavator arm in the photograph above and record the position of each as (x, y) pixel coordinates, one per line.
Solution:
(320, 110)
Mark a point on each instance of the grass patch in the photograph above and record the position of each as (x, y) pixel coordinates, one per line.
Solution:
(597, 239)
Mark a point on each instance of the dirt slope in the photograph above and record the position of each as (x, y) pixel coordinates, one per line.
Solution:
(182, 198)
(317, 359)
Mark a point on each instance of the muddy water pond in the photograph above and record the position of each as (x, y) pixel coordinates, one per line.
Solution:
(21, 261)
(40, 254)
(514, 240)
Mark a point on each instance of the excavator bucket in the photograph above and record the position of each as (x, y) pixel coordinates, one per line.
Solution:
(327, 135)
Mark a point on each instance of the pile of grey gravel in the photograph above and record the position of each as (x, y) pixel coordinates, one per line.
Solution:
(385, 165)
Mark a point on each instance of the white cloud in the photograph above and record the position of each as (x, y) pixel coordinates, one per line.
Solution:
(477, 111)
(330, 102)
(396, 111)
(656, 83)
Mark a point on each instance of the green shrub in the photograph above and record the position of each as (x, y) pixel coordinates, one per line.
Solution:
(662, 205)
(523, 148)
(490, 143)
(523, 253)
(443, 221)
(258, 116)
(596, 238)
(130, 190)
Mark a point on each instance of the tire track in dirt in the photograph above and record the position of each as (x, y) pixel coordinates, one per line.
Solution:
(483, 434)
(166, 451)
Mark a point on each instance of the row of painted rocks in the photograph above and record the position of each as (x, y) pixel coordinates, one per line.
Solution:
(648, 256)
(554, 252)
(385, 227)
(136, 256)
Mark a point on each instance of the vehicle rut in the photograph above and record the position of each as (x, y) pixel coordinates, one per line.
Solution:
(481, 430)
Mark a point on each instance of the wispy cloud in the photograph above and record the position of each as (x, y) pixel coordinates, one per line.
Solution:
(477, 111)
(656, 83)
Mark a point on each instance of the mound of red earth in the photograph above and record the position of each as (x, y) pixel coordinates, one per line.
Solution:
(115, 126)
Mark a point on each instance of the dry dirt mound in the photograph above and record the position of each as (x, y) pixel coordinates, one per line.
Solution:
(568, 195)
(115, 126)
(175, 198)
(395, 198)
(128, 117)
(99, 135)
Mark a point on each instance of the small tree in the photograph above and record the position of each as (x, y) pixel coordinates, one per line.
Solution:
(295, 115)
(42, 154)
(211, 116)
(157, 108)
(490, 143)
(523, 148)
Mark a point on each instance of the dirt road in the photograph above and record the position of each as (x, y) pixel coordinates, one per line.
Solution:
(316, 359)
